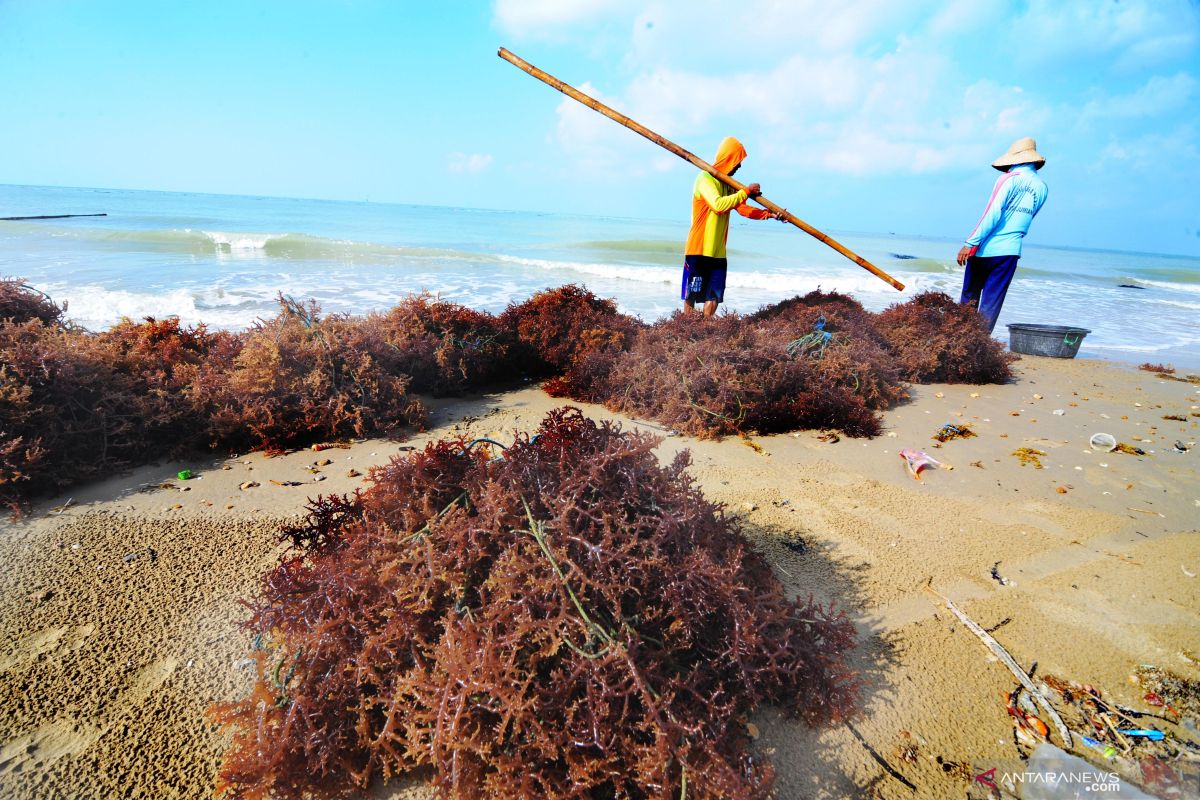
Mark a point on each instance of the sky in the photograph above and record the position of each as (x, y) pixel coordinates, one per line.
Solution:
(863, 115)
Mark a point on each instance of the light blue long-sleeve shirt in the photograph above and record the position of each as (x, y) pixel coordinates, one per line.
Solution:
(1016, 199)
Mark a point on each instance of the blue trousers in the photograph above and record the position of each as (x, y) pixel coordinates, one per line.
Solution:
(986, 282)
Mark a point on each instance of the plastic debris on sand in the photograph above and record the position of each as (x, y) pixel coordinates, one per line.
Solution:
(918, 460)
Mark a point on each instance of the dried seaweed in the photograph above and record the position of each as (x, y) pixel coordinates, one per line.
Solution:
(444, 348)
(731, 375)
(78, 404)
(937, 340)
(1029, 455)
(555, 328)
(158, 360)
(20, 302)
(1161, 369)
(817, 361)
(65, 415)
(573, 620)
(300, 377)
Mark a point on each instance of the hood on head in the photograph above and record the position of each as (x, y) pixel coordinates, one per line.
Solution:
(729, 154)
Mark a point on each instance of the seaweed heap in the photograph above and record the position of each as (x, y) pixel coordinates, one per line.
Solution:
(77, 404)
(299, 377)
(573, 336)
(726, 376)
(445, 348)
(572, 620)
(21, 303)
(936, 340)
(817, 361)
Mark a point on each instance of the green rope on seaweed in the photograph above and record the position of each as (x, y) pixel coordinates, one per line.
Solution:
(426, 527)
(811, 344)
(593, 628)
(282, 685)
(737, 421)
(472, 344)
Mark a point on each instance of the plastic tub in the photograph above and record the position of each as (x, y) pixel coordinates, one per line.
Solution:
(1055, 341)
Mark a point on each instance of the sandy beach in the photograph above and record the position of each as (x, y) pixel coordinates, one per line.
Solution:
(120, 610)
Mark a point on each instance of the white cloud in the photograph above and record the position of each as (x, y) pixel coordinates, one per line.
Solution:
(1159, 95)
(1128, 34)
(1174, 151)
(849, 115)
(867, 86)
(962, 17)
(532, 19)
(716, 34)
(468, 163)
(599, 146)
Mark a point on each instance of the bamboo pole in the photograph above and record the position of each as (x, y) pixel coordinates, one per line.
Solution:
(667, 144)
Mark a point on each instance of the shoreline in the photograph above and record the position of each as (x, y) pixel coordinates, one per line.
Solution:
(105, 678)
(222, 260)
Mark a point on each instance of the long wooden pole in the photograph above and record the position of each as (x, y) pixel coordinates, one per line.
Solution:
(667, 144)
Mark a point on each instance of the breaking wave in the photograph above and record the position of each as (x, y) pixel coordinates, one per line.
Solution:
(297, 246)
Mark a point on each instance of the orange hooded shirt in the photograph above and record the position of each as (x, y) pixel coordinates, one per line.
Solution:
(712, 201)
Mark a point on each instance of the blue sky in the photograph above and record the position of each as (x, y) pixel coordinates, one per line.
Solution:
(865, 115)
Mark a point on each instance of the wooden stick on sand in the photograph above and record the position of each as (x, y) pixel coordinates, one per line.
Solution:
(596, 105)
(1009, 662)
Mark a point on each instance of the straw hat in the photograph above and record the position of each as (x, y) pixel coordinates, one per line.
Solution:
(1022, 151)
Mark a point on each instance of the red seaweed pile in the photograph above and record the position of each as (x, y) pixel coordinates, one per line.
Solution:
(299, 377)
(76, 404)
(572, 336)
(21, 303)
(817, 361)
(571, 619)
(936, 340)
(444, 348)
(728, 375)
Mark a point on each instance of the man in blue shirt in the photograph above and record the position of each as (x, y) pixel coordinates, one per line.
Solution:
(991, 251)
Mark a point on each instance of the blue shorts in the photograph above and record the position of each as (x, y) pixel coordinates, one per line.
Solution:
(703, 279)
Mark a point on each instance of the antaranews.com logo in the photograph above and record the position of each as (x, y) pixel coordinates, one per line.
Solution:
(1087, 780)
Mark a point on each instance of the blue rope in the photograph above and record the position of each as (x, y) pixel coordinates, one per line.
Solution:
(474, 442)
(811, 344)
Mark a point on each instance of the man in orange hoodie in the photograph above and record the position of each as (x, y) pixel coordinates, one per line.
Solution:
(704, 262)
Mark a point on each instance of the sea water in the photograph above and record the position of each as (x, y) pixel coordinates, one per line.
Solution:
(224, 260)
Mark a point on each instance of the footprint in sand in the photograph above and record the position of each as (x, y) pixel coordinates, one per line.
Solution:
(48, 640)
(46, 744)
(148, 679)
(63, 737)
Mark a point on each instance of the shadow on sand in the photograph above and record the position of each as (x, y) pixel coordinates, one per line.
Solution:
(813, 762)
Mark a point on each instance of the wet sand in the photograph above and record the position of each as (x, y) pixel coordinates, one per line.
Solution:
(119, 613)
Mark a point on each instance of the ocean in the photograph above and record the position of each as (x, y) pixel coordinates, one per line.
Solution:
(224, 259)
